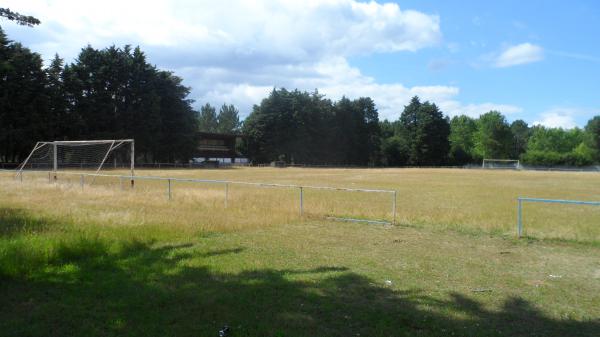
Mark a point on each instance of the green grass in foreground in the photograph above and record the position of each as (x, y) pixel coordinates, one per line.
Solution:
(64, 278)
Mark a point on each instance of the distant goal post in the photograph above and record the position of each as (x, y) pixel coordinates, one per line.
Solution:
(511, 164)
(94, 155)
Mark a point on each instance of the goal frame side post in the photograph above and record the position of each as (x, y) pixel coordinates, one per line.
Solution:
(35, 148)
(132, 164)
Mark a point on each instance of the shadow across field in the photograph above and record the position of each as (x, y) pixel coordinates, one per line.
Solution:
(17, 221)
(137, 288)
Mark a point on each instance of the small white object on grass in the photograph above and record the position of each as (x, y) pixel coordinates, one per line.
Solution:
(388, 282)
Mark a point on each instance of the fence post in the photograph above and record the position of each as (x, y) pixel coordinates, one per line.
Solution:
(301, 201)
(394, 208)
(169, 187)
(49, 178)
(519, 217)
(226, 194)
(81, 182)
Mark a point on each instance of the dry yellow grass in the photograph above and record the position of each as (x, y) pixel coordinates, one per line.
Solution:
(460, 199)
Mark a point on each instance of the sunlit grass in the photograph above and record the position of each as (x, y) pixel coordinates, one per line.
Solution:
(442, 198)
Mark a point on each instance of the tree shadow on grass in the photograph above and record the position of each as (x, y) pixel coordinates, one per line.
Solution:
(14, 221)
(140, 289)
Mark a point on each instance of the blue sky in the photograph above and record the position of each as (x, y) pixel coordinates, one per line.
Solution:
(534, 60)
(564, 80)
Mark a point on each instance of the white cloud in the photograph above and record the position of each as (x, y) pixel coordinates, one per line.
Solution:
(454, 108)
(287, 31)
(519, 54)
(335, 78)
(576, 56)
(237, 51)
(561, 117)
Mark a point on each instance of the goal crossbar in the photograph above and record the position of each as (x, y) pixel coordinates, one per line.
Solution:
(505, 161)
(86, 142)
(49, 157)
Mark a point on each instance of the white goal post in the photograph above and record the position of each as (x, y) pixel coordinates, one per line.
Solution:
(92, 155)
(501, 164)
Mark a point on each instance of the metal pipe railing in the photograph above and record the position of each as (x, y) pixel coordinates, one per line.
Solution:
(226, 183)
(520, 201)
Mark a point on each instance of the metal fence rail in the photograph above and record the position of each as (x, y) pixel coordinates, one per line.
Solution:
(521, 200)
(226, 183)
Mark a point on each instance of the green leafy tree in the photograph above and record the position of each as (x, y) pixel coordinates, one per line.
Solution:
(555, 139)
(207, 119)
(592, 130)
(493, 138)
(394, 148)
(462, 133)
(394, 151)
(557, 146)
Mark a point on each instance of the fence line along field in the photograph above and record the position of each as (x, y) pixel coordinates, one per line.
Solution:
(465, 200)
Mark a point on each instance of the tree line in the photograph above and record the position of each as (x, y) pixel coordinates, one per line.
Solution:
(302, 127)
(116, 93)
(111, 93)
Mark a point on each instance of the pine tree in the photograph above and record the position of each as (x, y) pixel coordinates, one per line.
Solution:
(426, 130)
(207, 119)
(228, 119)
(59, 118)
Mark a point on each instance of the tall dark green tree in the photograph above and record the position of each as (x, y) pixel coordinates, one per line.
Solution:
(307, 128)
(369, 130)
(287, 124)
(356, 131)
(426, 131)
(521, 133)
(60, 124)
(114, 93)
(23, 101)
(177, 139)
(144, 112)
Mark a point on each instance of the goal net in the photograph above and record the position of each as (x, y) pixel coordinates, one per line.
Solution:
(507, 164)
(87, 155)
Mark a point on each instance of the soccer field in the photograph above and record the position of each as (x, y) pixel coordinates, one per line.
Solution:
(106, 261)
